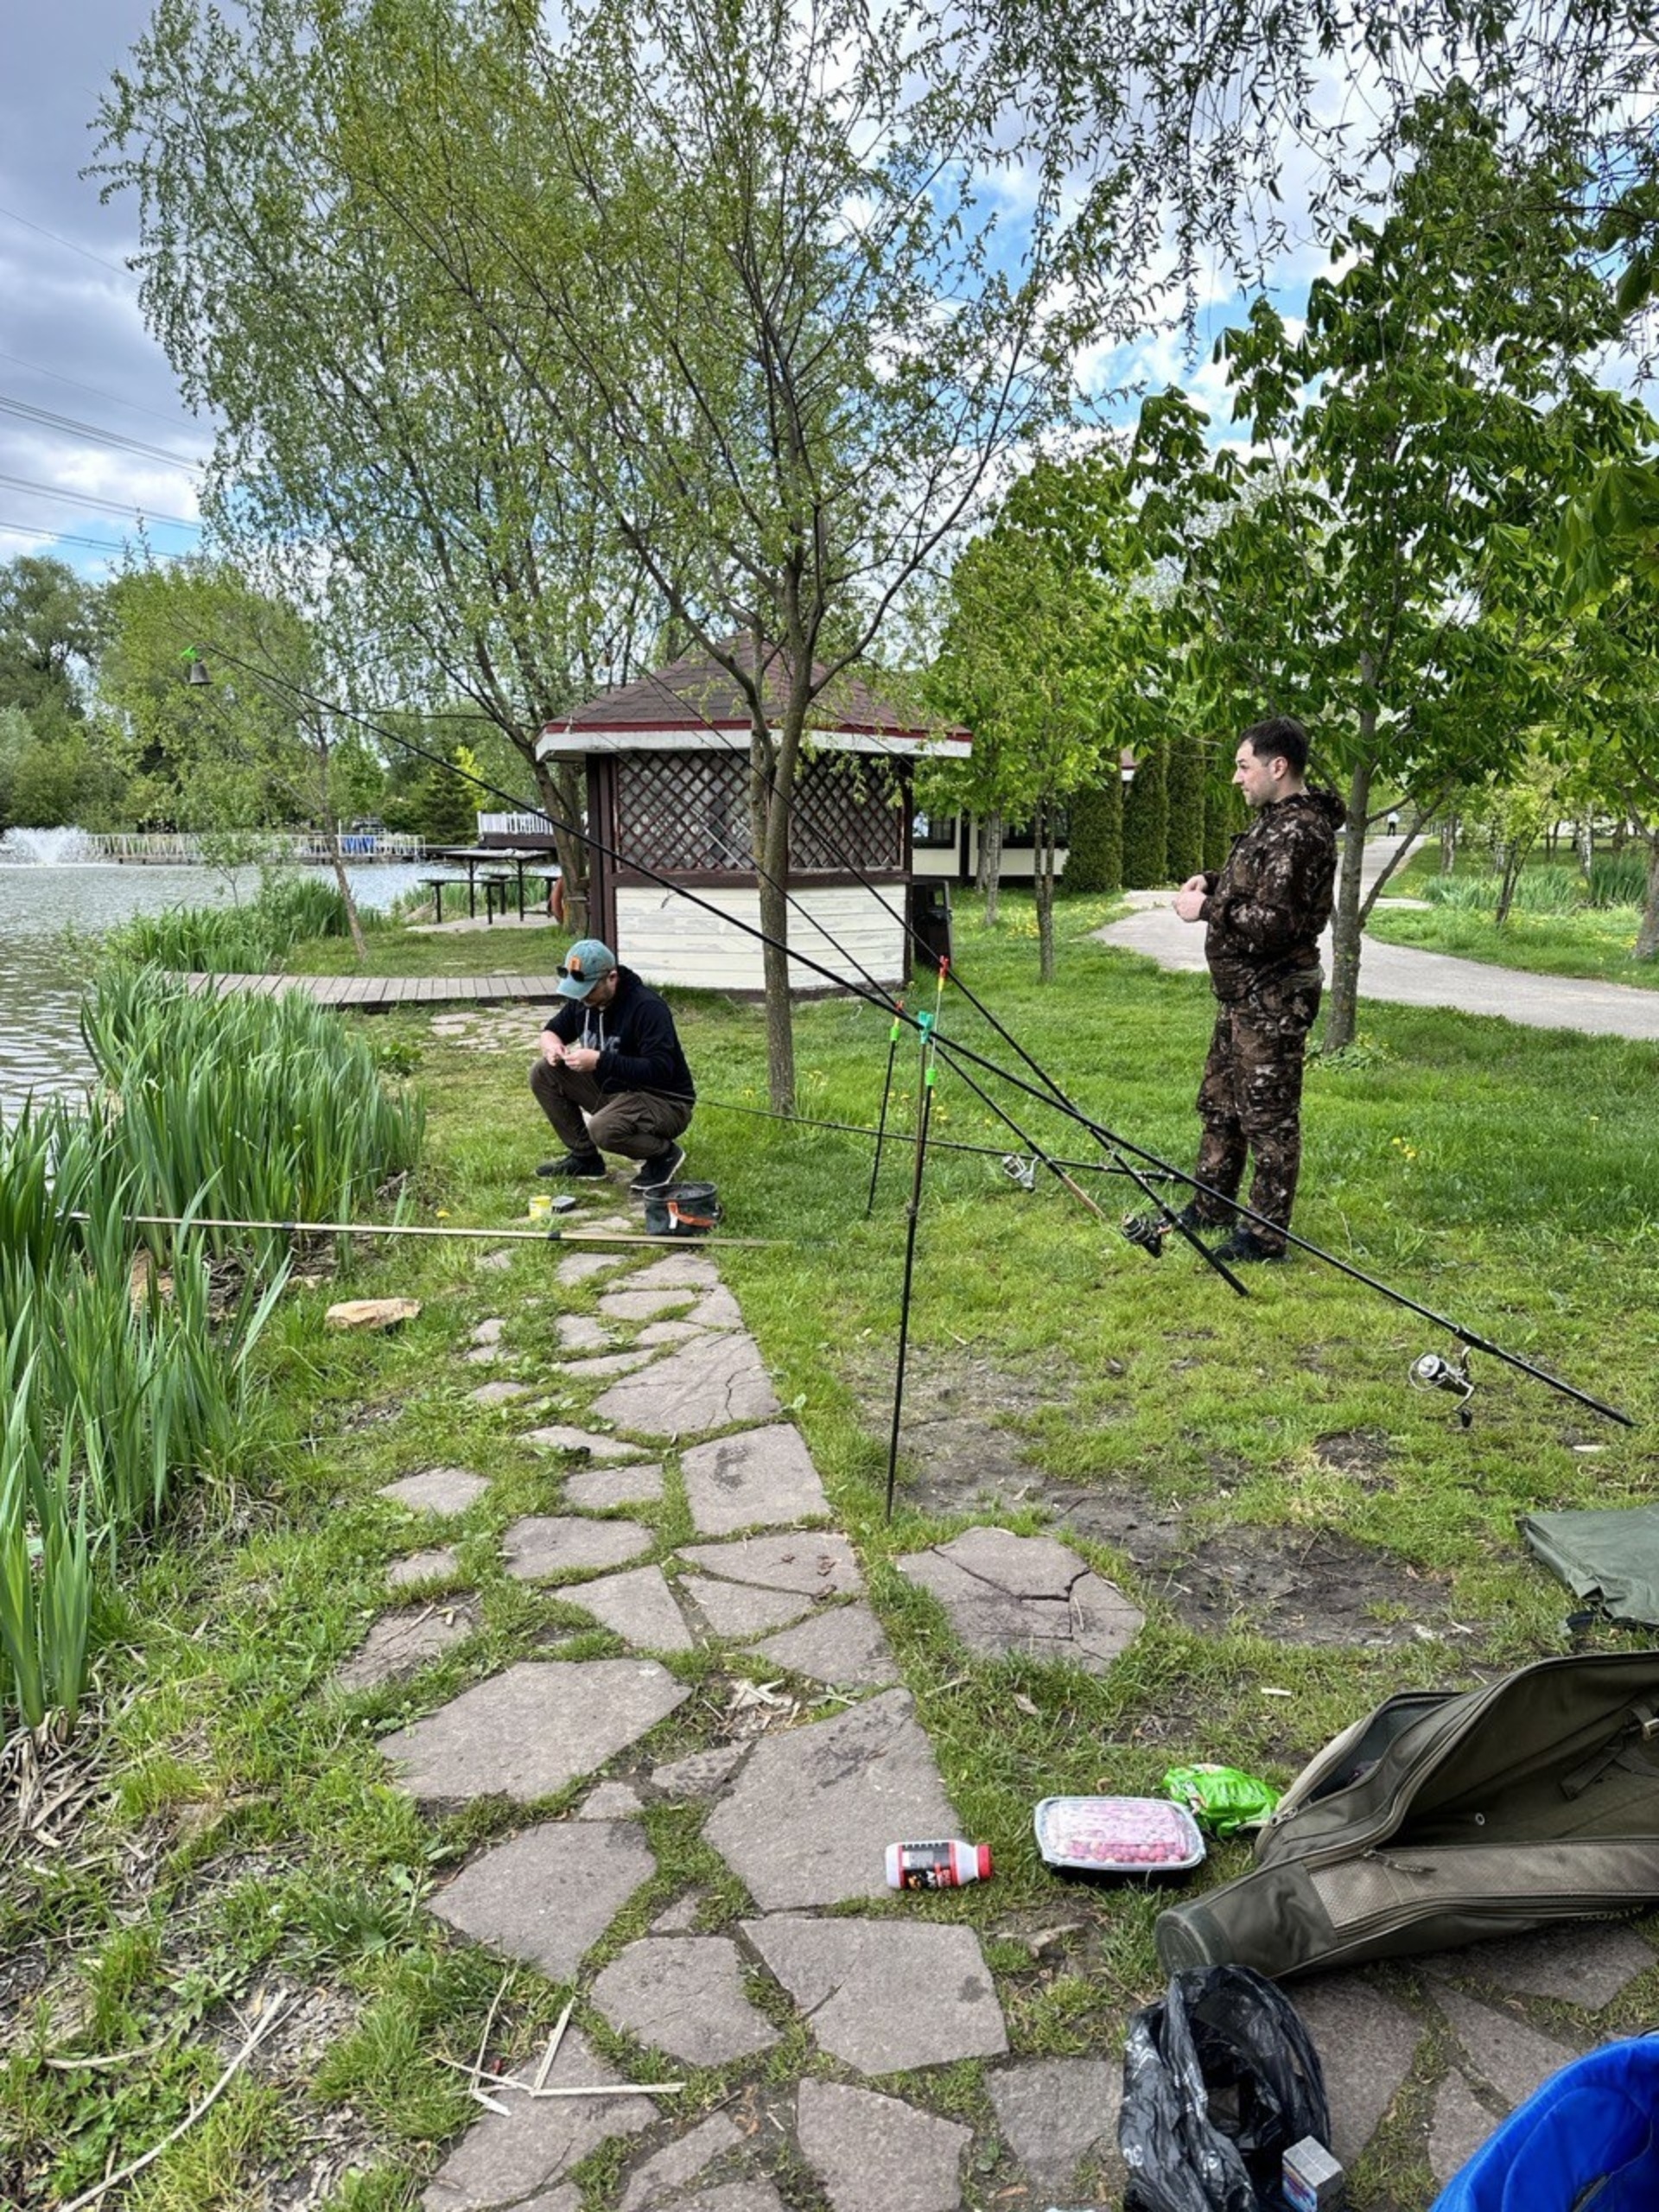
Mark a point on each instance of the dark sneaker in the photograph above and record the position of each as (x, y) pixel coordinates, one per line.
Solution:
(573, 1164)
(1244, 1245)
(657, 1174)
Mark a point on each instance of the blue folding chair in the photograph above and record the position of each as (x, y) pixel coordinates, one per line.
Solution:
(1587, 2141)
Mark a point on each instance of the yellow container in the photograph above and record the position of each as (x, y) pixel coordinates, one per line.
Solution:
(541, 1206)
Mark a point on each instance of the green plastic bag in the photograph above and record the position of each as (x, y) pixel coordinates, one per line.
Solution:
(1220, 1798)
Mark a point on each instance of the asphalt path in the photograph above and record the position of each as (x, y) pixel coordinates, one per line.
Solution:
(1405, 977)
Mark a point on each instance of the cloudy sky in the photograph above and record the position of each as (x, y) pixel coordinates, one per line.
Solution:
(73, 343)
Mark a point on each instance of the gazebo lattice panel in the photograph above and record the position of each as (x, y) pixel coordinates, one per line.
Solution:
(687, 813)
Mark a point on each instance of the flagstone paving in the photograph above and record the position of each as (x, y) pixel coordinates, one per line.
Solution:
(798, 1812)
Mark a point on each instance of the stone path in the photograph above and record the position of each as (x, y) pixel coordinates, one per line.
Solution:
(795, 1761)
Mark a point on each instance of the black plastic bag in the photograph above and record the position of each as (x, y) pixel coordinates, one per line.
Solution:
(1219, 2080)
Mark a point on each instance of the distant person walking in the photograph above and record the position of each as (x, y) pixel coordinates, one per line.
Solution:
(612, 1076)
(1263, 914)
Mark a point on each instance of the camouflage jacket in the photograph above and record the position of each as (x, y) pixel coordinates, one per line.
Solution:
(1266, 908)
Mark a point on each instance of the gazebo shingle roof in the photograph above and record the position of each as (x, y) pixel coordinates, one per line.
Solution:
(694, 692)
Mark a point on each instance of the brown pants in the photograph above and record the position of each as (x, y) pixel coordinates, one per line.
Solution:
(636, 1123)
(1251, 1103)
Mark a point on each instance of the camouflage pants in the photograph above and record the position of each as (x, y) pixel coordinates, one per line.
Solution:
(1251, 1101)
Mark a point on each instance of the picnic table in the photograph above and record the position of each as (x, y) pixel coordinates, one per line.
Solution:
(492, 861)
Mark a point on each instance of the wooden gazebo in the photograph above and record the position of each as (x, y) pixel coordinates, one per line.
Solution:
(668, 792)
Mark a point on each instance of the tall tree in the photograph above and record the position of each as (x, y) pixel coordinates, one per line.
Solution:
(1434, 407)
(230, 734)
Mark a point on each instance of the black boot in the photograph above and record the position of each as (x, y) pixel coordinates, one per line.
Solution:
(1245, 1245)
(575, 1164)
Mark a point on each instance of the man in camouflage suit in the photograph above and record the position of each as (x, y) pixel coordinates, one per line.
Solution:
(1264, 911)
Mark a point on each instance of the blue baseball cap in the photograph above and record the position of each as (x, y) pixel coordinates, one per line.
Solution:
(588, 962)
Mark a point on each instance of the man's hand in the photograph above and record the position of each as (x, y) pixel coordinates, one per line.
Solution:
(582, 1058)
(553, 1048)
(1189, 900)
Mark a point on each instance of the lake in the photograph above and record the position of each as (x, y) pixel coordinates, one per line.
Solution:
(41, 976)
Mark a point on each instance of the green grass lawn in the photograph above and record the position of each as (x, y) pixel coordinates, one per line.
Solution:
(397, 951)
(1303, 1531)
(1596, 944)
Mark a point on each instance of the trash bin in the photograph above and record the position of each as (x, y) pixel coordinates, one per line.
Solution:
(930, 922)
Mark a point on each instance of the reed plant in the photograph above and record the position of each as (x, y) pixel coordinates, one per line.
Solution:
(123, 1380)
(240, 940)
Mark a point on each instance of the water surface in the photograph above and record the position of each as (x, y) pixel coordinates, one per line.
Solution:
(41, 975)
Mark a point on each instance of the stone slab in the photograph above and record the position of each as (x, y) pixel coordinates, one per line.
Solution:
(877, 2154)
(535, 1728)
(547, 1895)
(611, 1801)
(717, 1309)
(581, 1333)
(638, 1607)
(678, 1918)
(844, 1645)
(582, 1267)
(601, 1489)
(499, 1394)
(485, 1356)
(1588, 1964)
(503, 2161)
(817, 1564)
(683, 1994)
(601, 1370)
(754, 2193)
(1007, 1594)
(676, 1271)
(701, 1774)
(711, 1385)
(763, 1477)
(732, 1608)
(1457, 2127)
(543, 1544)
(1052, 2113)
(660, 2177)
(631, 1304)
(435, 1566)
(498, 1261)
(806, 1822)
(668, 1333)
(436, 1489)
(1512, 2057)
(399, 1644)
(857, 1982)
(581, 1443)
(489, 1332)
(1368, 2048)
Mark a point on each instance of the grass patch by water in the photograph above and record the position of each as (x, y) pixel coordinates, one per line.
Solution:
(246, 1836)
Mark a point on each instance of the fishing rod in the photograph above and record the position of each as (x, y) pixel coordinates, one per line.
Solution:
(938, 1144)
(881, 1130)
(955, 1052)
(554, 1236)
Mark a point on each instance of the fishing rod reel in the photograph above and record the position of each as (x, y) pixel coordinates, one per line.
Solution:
(1431, 1372)
(1020, 1171)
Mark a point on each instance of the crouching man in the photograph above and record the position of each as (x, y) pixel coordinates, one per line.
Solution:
(612, 1076)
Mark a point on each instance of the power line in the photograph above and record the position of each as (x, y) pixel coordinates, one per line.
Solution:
(122, 443)
(115, 268)
(98, 506)
(93, 391)
(61, 537)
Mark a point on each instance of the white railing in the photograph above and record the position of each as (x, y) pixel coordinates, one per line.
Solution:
(183, 848)
(514, 825)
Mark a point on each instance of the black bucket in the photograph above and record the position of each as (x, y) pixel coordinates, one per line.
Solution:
(682, 1209)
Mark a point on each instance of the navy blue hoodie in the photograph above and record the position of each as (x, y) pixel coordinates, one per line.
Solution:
(637, 1045)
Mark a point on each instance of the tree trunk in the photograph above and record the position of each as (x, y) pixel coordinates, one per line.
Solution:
(1508, 875)
(1448, 844)
(1042, 858)
(990, 864)
(354, 919)
(1584, 838)
(564, 801)
(772, 778)
(1647, 937)
(1347, 923)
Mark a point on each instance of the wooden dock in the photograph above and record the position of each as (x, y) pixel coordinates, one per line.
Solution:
(377, 993)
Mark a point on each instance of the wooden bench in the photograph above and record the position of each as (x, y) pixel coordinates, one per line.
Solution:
(437, 885)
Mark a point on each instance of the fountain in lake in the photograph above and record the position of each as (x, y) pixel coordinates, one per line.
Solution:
(46, 848)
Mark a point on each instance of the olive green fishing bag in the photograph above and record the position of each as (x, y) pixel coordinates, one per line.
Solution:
(1445, 1817)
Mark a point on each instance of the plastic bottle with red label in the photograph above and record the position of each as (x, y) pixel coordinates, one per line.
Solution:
(944, 1865)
